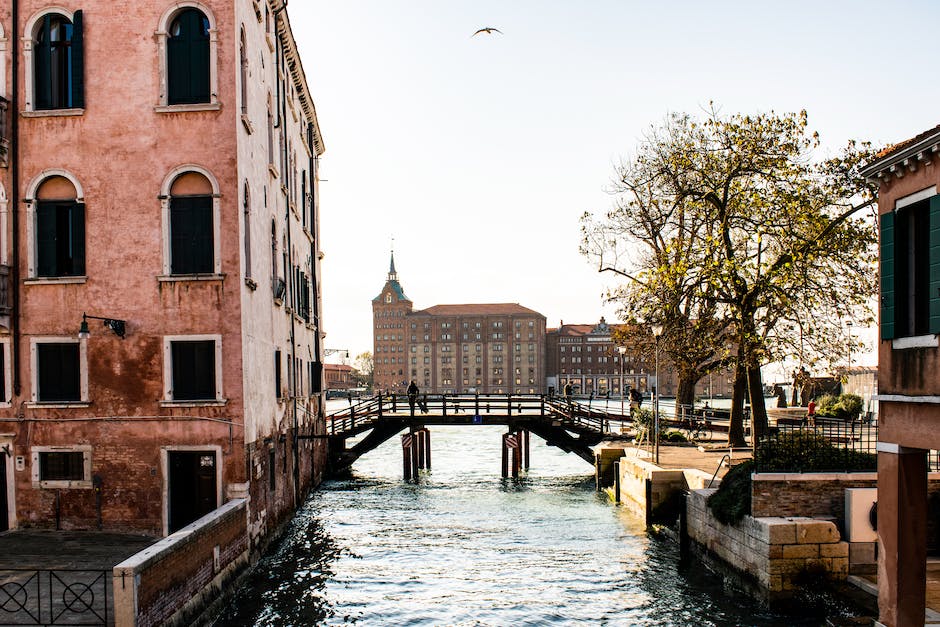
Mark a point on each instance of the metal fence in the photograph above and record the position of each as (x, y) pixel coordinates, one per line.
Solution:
(824, 446)
(54, 597)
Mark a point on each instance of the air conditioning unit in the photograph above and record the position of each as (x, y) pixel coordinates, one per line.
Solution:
(861, 509)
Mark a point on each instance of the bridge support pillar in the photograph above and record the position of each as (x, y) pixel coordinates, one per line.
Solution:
(512, 454)
(409, 452)
(524, 434)
(423, 448)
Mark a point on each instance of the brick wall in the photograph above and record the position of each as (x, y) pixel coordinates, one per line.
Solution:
(171, 581)
(820, 495)
(773, 551)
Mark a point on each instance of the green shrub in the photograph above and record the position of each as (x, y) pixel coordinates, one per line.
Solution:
(844, 406)
(642, 418)
(732, 501)
(673, 436)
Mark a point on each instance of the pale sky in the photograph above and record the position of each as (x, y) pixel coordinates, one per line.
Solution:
(479, 155)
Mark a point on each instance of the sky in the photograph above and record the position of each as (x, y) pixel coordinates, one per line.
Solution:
(479, 155)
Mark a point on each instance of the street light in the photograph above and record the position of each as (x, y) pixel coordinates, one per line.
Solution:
(657, 330)
(622, 350)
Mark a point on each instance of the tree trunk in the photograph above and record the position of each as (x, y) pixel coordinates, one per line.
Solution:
(736, 427)
(755, 386)
(685, 392)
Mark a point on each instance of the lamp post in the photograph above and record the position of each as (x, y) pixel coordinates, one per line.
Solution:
(622, 350)
(850, 344)
(657, 330)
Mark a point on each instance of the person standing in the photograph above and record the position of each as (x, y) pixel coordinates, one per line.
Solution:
(567, 391)
(412, 396)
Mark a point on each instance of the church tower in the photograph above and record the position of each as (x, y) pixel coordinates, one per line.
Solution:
(389, 311)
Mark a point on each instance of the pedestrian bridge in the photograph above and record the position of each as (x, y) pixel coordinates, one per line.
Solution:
(573, 426)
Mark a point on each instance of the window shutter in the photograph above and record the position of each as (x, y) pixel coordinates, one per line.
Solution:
(77, 238)
(887, 276)
(180, 229)
(934, 256)
(45, 239)
(199, 60)
(59, 372)
(203, 237)
(42, 60)
(78, 61)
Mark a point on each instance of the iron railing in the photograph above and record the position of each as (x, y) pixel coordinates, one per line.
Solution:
(366, 412)
(826, 445)
(54, 597)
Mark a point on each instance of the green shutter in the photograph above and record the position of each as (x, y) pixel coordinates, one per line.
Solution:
(934, 256)
(887, 276)
(78, 61)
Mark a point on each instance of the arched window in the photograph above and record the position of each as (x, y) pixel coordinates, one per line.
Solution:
(192, 241)
(58, 62)
(243, 65)
(59, 229)
(187, 50)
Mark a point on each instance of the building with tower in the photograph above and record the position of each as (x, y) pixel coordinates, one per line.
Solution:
(495, 348)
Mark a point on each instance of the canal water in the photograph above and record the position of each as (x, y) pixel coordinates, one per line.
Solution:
(465, 547)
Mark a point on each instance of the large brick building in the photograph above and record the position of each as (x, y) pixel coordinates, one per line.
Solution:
(586, 356)
(493, 348)
(161, 177)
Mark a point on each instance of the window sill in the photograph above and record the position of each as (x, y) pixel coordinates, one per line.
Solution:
(249, 127)
(63, 485)
(57, 404)
(917, 341)
(251, 283)
(217, 402)
(272, 170)
(278, 302)
(52, 113)
(188, 108)
(61, 280)
(175, 278)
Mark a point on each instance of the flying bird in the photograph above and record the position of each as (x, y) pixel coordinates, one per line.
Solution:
(489, 30)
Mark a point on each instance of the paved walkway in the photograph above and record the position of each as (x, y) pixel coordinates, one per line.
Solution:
(61, 577)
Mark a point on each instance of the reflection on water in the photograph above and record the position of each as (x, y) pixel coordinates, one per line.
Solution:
(465, 547)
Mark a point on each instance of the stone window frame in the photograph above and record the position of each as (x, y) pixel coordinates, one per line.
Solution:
(34, 370)
(85, 483)
(31, 201)
(168, 400)
(164, 198)
(29, 79)
(162, 34)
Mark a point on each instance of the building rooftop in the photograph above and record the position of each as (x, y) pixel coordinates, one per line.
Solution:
(483, 309)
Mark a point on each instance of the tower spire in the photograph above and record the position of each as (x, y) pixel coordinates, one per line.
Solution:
(392, 275)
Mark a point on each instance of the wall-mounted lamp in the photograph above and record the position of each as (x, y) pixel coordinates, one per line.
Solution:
(117, 326)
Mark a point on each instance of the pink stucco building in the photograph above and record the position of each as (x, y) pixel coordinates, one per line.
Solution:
(161, 178)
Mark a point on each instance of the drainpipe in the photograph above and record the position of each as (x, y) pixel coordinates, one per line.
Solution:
(13, 112)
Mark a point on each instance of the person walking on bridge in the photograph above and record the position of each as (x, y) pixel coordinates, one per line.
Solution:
(412, 396)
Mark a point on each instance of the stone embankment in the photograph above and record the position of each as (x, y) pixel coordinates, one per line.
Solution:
(780, 553)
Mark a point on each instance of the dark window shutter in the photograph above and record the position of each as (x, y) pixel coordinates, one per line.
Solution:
(42, 61)
(188, 59)
(46, 239)
(277, 374)
(934, 256)
(887, 276)
(3, 381)
(193, 370)
(77, 239)
(191, 235)
(78, 61)
(59, 372)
